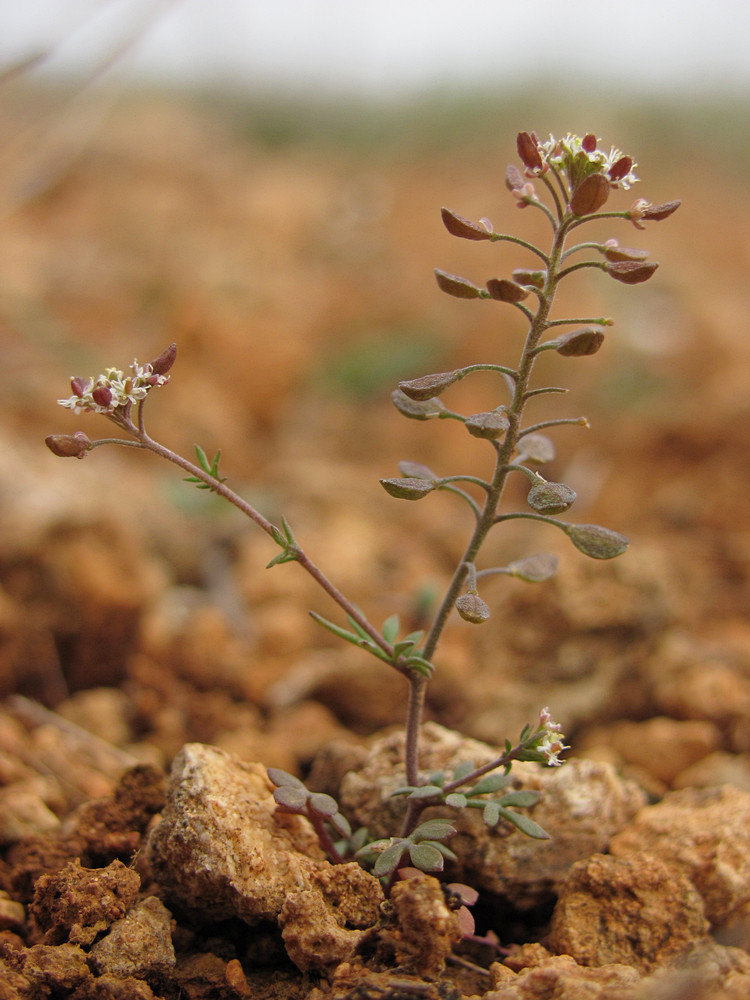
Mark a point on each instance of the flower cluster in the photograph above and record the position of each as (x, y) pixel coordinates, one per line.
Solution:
(547, 743)
(577, 158)
(114, 389)
(107, 392)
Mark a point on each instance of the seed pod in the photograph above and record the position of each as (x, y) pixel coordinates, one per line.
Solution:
(467, 230)
(618, 253)
(658, 212)
(429, 386)
(68, 445)
(536, 448)
(595, 541)
(415, 470)
(631, 272)
(491, 425)
(550, 498)
(590, 195)
(162, 364)
(580, 343)
(534, 569)
(528, 152)
(408, 489)
(426, 409)
(473, 609)
(522, 276)
(506, 291)
(461, 288)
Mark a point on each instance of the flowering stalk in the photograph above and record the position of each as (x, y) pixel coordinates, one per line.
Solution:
(578, 179)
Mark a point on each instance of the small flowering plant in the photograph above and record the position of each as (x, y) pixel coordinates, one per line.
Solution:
(576, 179)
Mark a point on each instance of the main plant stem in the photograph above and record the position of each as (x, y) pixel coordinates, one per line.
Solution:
(486, 519)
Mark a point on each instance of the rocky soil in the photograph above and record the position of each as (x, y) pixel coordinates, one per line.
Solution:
(151, 670)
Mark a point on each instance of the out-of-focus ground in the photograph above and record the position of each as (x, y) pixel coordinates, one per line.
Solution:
(290, 257)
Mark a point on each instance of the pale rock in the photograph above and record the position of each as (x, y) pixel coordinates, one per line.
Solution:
(222, 850)
(703, 833)
(631, 911)
(561, 978)
(138, 945)
(583, 804)
(718, 768)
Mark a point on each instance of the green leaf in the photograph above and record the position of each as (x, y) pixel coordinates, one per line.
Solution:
(418, 663)
(489, 783)
(524, 824)
(202, 459)
(324, 804)
(390, 628)
(433, 829)
(403, 790)
(341, 824)
(491, 814)
(426, 857)
(282, 557)
(402, 648)
(457, 800)
(437, 778)
(414, 637)
(358, 628)
(335, 629)
(389, 860)
(282, 778)
(425, 792)
(291, 797)
(464, 768)
(525, 797)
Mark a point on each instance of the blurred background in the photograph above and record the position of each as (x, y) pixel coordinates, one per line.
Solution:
(261, 182)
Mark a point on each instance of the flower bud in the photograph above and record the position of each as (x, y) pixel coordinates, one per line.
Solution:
(473, 609)
(79, 385)
(614, 253)
(536, 448)
(102, 396)
(620, 168)
(68, 445)
(429, 386)
(631, 272)
(451, 284)
(514, 179)
(579, 343)
(588, 143)
(490, 425)
(590, 195)
(416, 409)
(162, 364)
(503, 290)
(534, 569)
(522, 276)
(528, 152)
(458, 226)
(408, 489)
(550, 498)
(596, 542)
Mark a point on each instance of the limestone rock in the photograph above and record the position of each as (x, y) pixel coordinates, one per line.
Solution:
(704, 833)
(222, 850)
(583, 804)
(630, 911)
(562, 977)
(138, 945)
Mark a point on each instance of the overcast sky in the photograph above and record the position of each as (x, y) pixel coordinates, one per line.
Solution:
(390, 47)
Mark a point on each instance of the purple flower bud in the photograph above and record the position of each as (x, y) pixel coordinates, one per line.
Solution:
(528, 152)
(588, 143)
(162, 364)
(102, 396)
(79, 385)
(514, 179)
(658, 212)
(620, 168)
